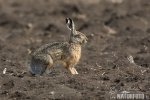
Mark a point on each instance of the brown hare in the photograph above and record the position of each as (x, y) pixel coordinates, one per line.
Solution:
(66, 53)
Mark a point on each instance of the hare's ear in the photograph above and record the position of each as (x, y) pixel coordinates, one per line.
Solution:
(70, 24)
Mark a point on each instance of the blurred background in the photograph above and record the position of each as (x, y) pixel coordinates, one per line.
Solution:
(116, 57)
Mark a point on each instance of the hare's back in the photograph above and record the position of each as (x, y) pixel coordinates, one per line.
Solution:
(50, 46)
(57, 50)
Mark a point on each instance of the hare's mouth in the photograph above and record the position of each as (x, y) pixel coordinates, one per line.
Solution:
(84, 41)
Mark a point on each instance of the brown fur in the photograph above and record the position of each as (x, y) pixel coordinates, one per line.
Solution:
(66, 53)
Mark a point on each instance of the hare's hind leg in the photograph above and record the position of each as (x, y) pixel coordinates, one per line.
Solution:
(40, 63)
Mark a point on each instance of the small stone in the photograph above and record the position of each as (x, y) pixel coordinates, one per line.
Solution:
(52, 92)
(4, 71)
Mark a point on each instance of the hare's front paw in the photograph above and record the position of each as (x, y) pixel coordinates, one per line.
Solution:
(72, 70)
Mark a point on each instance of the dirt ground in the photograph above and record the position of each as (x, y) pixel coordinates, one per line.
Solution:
(115, 59)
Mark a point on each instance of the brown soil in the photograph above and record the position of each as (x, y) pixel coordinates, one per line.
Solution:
(117, 31)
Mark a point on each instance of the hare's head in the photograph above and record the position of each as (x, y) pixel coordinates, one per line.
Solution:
(75, 36)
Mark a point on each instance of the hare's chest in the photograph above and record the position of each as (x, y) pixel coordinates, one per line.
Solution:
(75, 55)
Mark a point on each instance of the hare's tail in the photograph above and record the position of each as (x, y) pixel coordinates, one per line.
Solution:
(37, 68)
